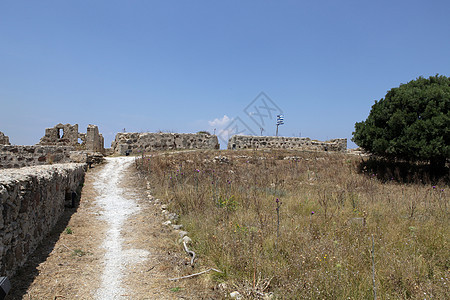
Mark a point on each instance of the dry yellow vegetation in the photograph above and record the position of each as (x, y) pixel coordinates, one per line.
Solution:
(302, 225)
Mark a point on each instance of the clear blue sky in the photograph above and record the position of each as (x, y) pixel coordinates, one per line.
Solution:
(179, 65)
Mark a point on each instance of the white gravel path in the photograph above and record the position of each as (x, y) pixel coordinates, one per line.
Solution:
(115, 209)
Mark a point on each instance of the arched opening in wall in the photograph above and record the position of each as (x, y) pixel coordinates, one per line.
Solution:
(60, 133)
(80, 141)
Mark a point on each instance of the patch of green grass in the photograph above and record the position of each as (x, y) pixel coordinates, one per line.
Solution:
(68, 230)
(78, 252)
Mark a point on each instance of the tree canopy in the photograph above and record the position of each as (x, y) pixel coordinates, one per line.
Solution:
(412, 122)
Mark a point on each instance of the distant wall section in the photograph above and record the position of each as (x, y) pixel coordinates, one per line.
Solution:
(25, 156)
(273, 142)
(134, 142)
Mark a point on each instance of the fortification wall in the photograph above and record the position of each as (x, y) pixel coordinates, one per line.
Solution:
(32, 200)
(28, 156)
(273, 142)
(134, 142)
(24, 156)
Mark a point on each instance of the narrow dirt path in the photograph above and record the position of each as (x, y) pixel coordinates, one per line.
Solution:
(113, 246)
(115, 207)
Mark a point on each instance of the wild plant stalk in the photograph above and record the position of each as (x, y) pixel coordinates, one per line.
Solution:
(310, 219)
(278, 220)
(373, 270)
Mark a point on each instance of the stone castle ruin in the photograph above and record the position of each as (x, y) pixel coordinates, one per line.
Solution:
(60, 135)
(4, 140)
(279, 142)
(68, 135)
(60, 144)
(134, 142)
(37, 181)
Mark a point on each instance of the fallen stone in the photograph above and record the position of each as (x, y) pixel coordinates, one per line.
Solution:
(187, 239)
(182, 233)
(221, 159)
(172, 216)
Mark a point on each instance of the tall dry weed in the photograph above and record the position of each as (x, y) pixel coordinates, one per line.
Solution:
(319, 244)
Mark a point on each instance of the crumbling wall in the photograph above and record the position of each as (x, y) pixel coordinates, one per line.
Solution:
(4, 140)
(32, 200)
(273, 142)
(94, 140)
(134, 142)
(61, 135)
(68, 135)
(82, 138)
(24, 156)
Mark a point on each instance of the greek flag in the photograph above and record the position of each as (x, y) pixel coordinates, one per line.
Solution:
(280, 119)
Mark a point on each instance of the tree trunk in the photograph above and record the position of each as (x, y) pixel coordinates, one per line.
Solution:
(437, 165)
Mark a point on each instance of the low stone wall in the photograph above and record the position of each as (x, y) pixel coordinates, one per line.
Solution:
(32, 200)
(134, 142)
(273, 142)
(25, 156)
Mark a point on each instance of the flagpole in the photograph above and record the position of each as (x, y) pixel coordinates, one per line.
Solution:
(280, 121)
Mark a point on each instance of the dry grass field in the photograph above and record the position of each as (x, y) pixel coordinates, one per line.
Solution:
(304, 225)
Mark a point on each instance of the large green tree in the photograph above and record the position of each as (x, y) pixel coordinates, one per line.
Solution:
(412, 122)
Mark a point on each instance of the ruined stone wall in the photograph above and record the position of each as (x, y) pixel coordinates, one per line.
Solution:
(135, 142)
(32, 200)
(61, 135)
(24, 156)
(94, 140)
(4, 140)
(68, 135)
(273, 142)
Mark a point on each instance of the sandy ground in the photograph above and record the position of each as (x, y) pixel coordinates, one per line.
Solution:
(116, 247)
